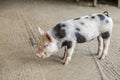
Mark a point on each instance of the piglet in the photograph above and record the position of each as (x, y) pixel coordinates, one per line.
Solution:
(78, 30)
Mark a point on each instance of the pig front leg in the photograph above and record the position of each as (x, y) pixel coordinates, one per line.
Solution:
(68, 54)
(65, 54)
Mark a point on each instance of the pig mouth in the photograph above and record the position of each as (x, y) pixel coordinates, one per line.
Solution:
(43, 55)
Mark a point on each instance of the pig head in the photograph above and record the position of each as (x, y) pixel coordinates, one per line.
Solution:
(47, 44)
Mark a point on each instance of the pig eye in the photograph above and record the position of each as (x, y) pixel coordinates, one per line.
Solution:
(46, 45)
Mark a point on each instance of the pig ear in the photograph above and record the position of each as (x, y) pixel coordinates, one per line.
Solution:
(42, 32)
(49, 37)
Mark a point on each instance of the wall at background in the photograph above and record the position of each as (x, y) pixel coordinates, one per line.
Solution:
(81, 2)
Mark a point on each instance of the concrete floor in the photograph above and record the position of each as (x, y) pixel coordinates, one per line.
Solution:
(18, 35)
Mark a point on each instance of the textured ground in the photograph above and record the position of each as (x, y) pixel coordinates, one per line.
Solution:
(18, 35)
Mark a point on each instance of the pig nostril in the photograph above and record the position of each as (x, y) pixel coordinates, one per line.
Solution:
(45, 53)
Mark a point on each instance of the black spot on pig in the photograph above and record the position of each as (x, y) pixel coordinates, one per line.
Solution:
(106, 21)
(60, 33)
(67, 43)
(80, 38)
(76, 18)
(63, 25)
(105, 35)
(81, 23)
(101, 17)
(77, 29)
(92, 17)
(86, 17)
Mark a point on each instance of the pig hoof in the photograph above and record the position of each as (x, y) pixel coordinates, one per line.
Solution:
(62, 58)
(66, 63)
(101, 57)
(63, 61)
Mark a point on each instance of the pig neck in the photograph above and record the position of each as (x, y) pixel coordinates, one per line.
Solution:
(56, 42)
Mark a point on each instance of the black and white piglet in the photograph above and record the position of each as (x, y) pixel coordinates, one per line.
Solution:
(78, 30)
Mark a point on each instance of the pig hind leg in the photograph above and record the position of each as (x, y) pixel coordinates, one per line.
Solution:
(103, 45)
(100, 46)
(106, 43)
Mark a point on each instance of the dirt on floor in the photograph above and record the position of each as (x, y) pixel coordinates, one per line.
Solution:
(19, 36)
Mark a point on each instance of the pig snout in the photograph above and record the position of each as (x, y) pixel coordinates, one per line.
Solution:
(41, 55)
